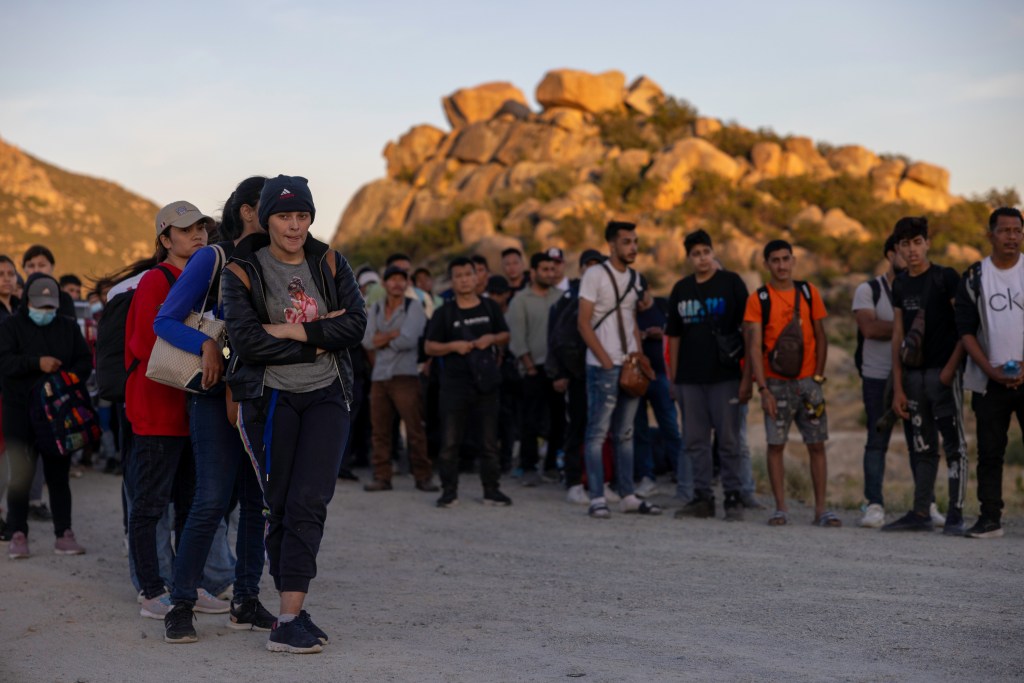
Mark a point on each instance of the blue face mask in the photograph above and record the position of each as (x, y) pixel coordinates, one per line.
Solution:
(41, 317)
(95, 308)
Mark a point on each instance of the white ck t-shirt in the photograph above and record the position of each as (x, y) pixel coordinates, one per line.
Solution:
(596, 286)
(877, 352)
(1004, 311)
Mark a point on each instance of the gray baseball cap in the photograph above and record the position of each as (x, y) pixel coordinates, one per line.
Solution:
(179, 215)
(43, 292)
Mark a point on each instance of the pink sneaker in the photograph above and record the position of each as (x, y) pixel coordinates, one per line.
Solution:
(18, 549)
(67, 545)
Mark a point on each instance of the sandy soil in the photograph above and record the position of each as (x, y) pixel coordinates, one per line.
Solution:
(540, 592)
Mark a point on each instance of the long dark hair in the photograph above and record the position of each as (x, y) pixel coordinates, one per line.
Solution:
(247, 193)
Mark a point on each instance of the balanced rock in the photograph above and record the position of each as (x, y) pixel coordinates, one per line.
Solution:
(590, 92)
(411, 150)
(674, 169)
(644, 95)
(469, 105)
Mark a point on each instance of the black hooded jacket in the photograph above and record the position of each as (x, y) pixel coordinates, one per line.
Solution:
(22, 344)
(245, 313)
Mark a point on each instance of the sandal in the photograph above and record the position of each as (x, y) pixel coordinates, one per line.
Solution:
(828, 520)
(599, 511)
(648, 509)
(778, 518)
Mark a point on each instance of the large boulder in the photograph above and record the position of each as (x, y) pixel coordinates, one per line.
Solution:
(926, 197)
(706, 126)
(469, 105)
(808, 214)
(427, 207)
(767, 158)
(581, 90)
(929, 175)
(411, 150)
(475, 226)
(644, 95)
(838, 225)
(381, 204)
(522, 176)
(491, 247)
(804, 149)
(632, 161)
(573, 120)
(527, 141)
(476, 187)
(478, 141)
(521, 219)
(885, 179)
(737, 249)
(437, 175)
(673, 169)
(853, 160)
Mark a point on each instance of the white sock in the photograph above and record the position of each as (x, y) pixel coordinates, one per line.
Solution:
(285, 618)
(598, 501)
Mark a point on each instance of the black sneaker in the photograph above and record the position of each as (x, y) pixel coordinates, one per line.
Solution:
(954, 525)
(911, 522)
(293, 637)
(40, 512)
(5, 531)
(345, 474)
(496, 497)
(700, 507)
(750, 502)
(733, 506)
(307, 621)
(448, 499)
(178, 626)
(985, 528)
(249, 614)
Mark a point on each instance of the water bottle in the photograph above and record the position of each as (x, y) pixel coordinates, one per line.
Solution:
(1011, 368)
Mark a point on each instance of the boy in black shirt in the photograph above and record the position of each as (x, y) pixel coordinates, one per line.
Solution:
(703, 307)
(926, 380)
(464, 333)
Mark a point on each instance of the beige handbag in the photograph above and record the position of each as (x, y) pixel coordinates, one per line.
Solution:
(178, 368)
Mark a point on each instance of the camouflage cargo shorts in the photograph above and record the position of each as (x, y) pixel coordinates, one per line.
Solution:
(801, 400)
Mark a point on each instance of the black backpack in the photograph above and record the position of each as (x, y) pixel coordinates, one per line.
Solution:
(565, 343)
(111, 374)
(876, 295)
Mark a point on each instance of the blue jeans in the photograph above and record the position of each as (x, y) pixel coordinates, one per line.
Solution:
(873, 391)
(746, 469)
(660, 398)
(608, 408)
(223, 468)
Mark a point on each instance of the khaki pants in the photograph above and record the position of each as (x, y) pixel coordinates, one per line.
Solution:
(399, 394)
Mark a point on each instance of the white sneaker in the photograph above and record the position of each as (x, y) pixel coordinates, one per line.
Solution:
(938, 519)
(207, 604)
(874, 516)
(610, 495)
(156, 608)
(646, 487)
(577, 495)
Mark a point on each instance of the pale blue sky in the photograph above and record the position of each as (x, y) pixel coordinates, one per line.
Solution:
(182, 100)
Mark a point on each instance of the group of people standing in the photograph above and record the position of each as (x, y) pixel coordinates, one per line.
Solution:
(528, 356)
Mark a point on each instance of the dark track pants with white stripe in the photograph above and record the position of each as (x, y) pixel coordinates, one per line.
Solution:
(935, 410)
(296, 441)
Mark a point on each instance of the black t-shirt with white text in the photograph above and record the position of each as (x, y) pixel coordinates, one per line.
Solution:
(694, 311)
(451, 323)
(931, 291)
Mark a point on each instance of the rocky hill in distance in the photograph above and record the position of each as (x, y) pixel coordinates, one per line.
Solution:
(92, 226)
(599, 149)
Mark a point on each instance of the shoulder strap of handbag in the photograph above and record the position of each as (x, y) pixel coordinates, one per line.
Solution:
(618, 303)
(218, 265)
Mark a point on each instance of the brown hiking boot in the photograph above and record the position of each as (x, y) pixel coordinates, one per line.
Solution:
(378, 485)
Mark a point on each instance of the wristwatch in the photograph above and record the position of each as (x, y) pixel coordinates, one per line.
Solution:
(820, 379)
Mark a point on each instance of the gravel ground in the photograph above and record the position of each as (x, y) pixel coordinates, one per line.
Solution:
(540, 592)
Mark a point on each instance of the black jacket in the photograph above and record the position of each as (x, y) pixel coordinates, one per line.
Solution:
(245, 313)
(22, 343)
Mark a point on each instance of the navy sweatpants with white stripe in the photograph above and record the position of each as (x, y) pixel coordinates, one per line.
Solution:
(296, 441)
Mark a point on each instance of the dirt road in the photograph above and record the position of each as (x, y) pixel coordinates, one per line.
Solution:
(540, 592)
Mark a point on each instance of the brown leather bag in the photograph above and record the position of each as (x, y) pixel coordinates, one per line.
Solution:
(636, 373)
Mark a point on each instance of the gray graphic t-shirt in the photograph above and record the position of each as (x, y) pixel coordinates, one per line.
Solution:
(292, 297)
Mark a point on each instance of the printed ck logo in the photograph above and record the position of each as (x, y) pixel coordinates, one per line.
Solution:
(1000, 302)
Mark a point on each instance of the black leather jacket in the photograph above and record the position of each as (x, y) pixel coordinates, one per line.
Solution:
(245, 313)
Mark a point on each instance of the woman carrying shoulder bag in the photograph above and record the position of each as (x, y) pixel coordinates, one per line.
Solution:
(293, 309)
(222, 465)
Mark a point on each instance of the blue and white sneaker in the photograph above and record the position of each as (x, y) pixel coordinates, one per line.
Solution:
(293, 637)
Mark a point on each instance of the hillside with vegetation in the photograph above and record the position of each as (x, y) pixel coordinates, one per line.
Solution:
(92, 226)
(505, 174)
